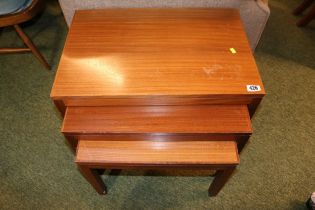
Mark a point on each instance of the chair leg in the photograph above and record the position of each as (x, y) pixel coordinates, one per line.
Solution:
(308, 18)
(221, 177)
(94, 178)
(30, 45)
(303, 6)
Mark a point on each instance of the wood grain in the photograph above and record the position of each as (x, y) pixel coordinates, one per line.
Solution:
(224, 119)
(157, 152)
(240, 139)
(157, 137)
(159, 100)
(128, 53)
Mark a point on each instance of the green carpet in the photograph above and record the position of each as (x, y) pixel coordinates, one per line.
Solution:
(277, 168)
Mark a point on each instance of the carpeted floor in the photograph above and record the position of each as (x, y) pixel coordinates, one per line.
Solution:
(277, 168)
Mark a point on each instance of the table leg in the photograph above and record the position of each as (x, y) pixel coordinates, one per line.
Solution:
(241, 142)
(221, 177)
(303, 6)
(72, 142)
(252, 107)
(307, 18)
(94, 178)
(61, 107)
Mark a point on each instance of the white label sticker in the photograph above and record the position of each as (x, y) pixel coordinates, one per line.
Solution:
(253, 88)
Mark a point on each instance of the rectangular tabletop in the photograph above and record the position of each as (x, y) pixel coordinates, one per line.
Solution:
(214, 119)
(139, 53)
(157, 153)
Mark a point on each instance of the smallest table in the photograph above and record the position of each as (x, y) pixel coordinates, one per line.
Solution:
(217, 155)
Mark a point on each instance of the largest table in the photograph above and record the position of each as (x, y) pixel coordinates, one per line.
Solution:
(157, 57)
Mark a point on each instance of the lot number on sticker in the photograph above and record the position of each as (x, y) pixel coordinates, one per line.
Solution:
(253, 88)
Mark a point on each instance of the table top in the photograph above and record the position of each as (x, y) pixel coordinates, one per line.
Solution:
(156, 52)
(214, 119)
(161, 153)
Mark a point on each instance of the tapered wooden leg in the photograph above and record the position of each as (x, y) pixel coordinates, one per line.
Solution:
(93, 177)
(309, 16)
(72, 142)
(241, 142)
(221, 177)
(303, 6)
(30, 45)
(61, 107)
(252, 107)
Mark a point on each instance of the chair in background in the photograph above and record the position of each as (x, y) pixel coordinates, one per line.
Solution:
(309, 16)
(14, 12)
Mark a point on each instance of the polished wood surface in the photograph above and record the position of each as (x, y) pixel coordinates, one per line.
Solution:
(219, 155)
(251, 100)
(159, 100)
(224, 119)
(130, 53)
(158, 137)
(72, 139)
(240, 139)
(157, 88)
(150, 153)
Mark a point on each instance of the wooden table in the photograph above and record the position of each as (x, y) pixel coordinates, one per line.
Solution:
(156, 57)
(166, 74)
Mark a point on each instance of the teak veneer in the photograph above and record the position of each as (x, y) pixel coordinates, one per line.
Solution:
(155, 56)
(215, 119)
(219, 155)
(211, 122)
(157, 87)
(148, 153)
